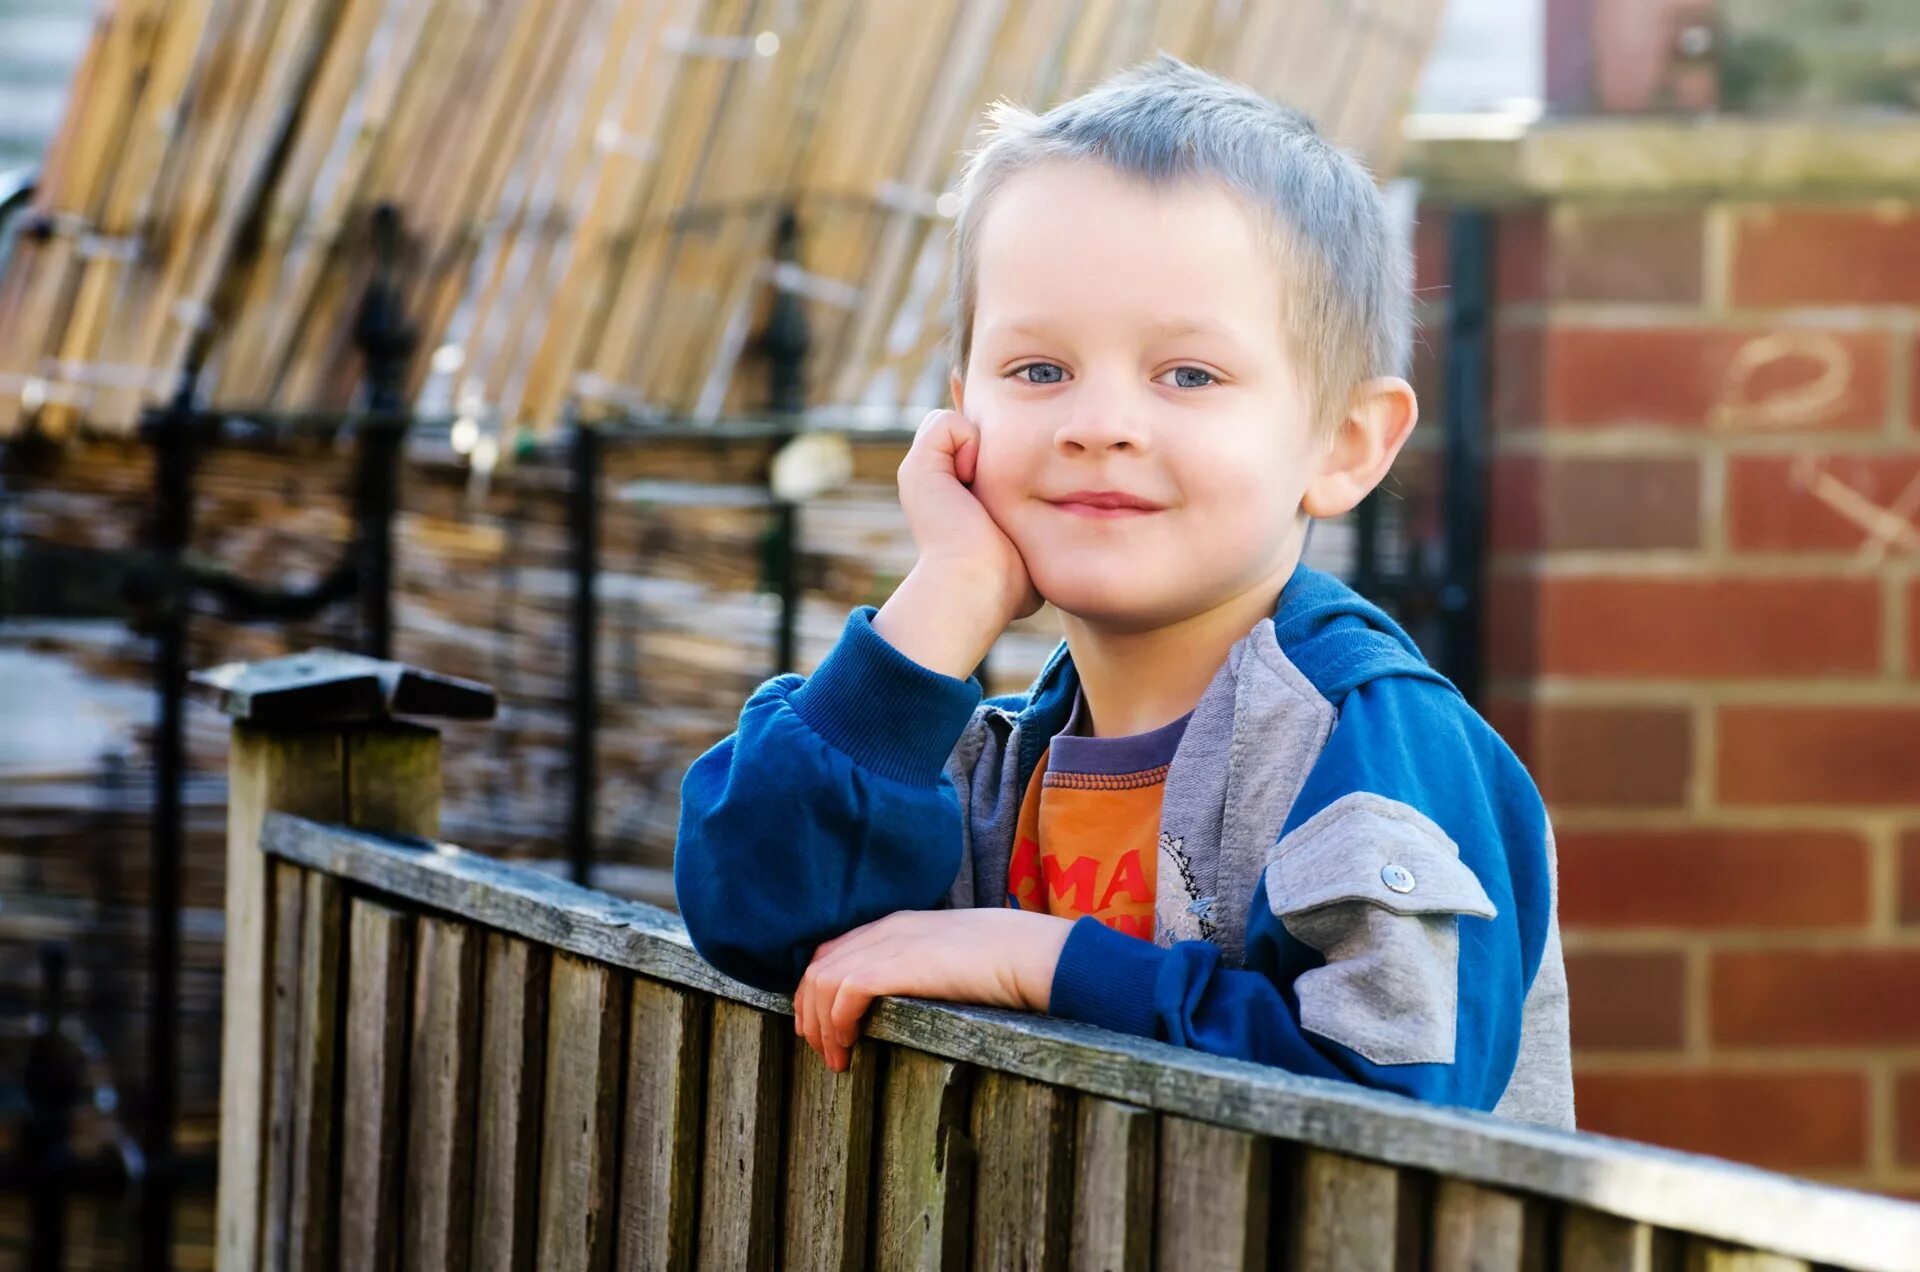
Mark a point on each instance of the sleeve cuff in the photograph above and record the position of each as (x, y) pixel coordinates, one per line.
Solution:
(1107, 978)
(884, 711)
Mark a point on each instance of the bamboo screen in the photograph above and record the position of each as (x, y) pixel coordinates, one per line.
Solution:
(590, 189)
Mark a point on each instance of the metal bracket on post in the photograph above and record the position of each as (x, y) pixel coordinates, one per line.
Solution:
(583, 521)
(175, 444)
(786, 341)
(387, 342)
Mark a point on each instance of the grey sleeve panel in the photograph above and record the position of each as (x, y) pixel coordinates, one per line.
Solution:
(984, 770)
(1377, 887)
(1541, 1089)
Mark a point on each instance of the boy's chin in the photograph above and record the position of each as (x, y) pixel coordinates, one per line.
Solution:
(1119, 607)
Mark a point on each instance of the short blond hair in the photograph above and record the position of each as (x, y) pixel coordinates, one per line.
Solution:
(1347, 292)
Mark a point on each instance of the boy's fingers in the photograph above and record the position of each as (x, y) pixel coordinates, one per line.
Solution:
(850, 1003)
(820, 1002)
(966, 460)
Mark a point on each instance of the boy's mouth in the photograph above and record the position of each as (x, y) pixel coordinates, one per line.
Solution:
(1104, 503)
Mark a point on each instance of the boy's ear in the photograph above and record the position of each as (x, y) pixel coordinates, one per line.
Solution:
(1363, 446)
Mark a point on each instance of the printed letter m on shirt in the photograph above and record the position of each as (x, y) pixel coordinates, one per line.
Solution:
(1078, 876)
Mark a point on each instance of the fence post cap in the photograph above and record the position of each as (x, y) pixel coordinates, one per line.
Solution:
(330, 686)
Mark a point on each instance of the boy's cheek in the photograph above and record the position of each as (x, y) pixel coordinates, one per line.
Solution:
(994, 477)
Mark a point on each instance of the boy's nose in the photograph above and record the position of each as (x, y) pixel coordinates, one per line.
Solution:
(1100, 424)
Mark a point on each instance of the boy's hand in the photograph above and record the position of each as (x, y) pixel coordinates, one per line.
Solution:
(1002, 958)
(970, 580)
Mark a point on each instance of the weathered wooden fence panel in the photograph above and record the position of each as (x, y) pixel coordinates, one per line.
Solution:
(467, 1063)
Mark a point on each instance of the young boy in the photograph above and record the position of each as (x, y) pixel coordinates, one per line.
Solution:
(1237, 810)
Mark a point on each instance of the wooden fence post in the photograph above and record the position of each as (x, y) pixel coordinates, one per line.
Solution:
(314, 734)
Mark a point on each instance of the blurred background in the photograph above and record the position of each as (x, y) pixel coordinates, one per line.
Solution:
(569, 347)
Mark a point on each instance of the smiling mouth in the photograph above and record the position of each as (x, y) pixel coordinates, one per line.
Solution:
(1102, 504)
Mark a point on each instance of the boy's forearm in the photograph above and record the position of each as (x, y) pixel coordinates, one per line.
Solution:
(942, 620)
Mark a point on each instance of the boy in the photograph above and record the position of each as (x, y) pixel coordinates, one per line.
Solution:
(1237, 811)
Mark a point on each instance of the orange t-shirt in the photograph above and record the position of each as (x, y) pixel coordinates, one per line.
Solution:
(1087, 841)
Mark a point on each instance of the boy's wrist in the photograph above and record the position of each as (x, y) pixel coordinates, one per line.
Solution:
(1038, 957)
(943, 617)
(882, 709)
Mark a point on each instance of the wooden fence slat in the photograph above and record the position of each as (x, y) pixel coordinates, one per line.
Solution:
(1348, 1215)
(1113, 1187)
(829, 1161)
(1213, 1205)
(1593, 1242)
(372, 1137)
(660, 1151)
(924, 1194)
(1023, 1181)
(1479, 1229)
(746, 1069)
(283, 1049)
(586, 1023)
(442, 1087)
(310, 1210)
(513, 1048)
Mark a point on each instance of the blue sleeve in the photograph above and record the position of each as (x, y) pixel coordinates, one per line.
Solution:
(1409, 774)
(828, 808)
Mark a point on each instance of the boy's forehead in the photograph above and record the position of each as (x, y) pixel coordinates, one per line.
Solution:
(1090, 200)
(1074, 245)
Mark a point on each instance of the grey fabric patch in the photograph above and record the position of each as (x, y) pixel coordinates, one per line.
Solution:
(1541, 1089)
(984, 768)
(1254, 736)
(1340, 852)
(1391, 985)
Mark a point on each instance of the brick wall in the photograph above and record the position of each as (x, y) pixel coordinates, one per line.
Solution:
(1704, 637)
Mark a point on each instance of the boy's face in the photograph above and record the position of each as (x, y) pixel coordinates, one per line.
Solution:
(1128, 339)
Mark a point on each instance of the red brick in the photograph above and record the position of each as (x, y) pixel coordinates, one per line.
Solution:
(1610, 757)
(1514, 384)
(1912, 668)
(1845, 255)
(1913, 389)
(1910, 877)
(1627, 1001)
(1567, 502)
(1815, 998)
(1808, 503)
(1690, 626)
(1742, 381)
(1787, 1121)
(1907, 1117)
(1773, 756)
(1702, 878)
(1432, 251)
(1520, 255)
(1626, 254)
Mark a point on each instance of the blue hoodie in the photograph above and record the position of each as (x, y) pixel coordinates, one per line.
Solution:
(1355, 875)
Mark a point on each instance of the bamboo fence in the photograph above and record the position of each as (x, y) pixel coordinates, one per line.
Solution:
(590, 189)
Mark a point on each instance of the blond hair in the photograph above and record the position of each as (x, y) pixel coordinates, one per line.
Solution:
(1346, 275)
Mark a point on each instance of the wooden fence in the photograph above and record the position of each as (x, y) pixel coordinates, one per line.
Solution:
(434, 1059)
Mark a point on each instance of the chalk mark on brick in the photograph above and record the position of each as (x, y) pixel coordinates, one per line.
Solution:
(1885, 526)
(1795, 406)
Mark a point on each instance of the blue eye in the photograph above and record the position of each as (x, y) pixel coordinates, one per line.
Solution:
(1203, 382)
(1054, 376)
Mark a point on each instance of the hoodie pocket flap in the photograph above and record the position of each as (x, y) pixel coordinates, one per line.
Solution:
(1372, 849)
